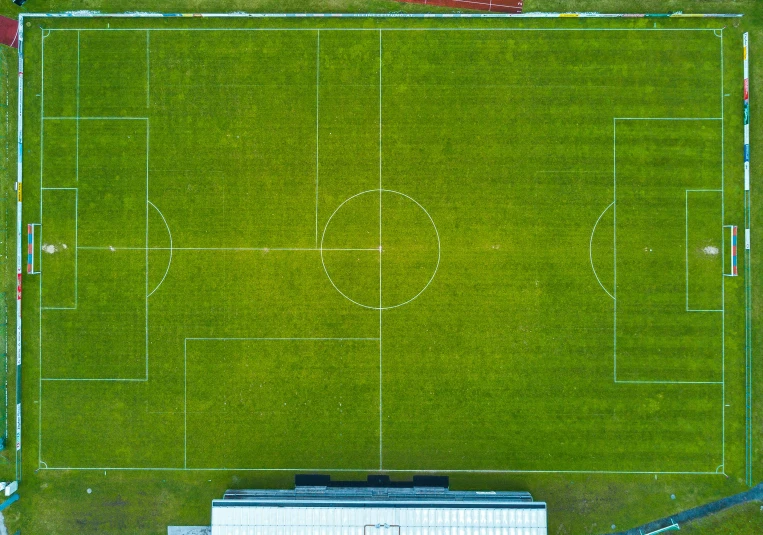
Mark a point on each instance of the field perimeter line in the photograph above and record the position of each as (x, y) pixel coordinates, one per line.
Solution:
(372, 469)
(264, 249)
(385, 29)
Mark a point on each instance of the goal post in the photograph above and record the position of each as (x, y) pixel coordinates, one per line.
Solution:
(30, 249)
(731, 270)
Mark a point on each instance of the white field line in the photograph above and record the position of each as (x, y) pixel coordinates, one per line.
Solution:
(77, 134)
(76, 249)
(614, 158)
(590, 249)
(169, 232)
(204, 339)
(723, 283)
(372, 469)
(668, 118)
(42, 152)
(264, 249)
(75, 118)
(317, 126)
(185, 403)
(431, 220)
(147, 203)
(148, 69)
(294, 249)
(614, 243)
(686, 248)
(283, 339)
(381, 303)
(106, 379)
(462, 29)
(620, 381)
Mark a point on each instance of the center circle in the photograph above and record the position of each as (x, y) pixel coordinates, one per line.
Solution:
(380, 249)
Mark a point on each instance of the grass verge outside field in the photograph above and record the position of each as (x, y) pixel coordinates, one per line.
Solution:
(477, 483)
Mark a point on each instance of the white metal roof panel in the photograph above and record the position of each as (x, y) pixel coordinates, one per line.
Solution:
(242, 519)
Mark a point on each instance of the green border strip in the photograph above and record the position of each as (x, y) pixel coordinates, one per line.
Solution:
(96, 14)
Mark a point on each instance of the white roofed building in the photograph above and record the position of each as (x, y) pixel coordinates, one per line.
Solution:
(425, 506)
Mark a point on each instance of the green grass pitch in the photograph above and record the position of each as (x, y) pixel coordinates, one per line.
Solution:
(475, 247)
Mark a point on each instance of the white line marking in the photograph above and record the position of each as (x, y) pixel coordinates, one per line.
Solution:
(244, 249)
(317, 125)
(76, 249)
(668, 118)
(723, 284)
(381, 29)
(401, 29)
(620, 381)
(614, 149)
(614, 241)
(185, 403)
(185, 373)
(437, 233)
(372, 469)
(147, 203)
(285, 339)
(148, 69)
(42, 166)
(590, 249)
(77, 379)
(42, 138)
(75, 118)
(169, 232)
(686, 247)
(77, 135)
(381, 303)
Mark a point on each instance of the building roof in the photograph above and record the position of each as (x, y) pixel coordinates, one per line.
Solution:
(339, 510)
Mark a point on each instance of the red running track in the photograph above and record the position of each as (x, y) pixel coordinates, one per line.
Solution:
(498, 6)
(9, 32)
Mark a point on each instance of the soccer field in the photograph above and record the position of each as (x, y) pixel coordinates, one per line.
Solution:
(386, 245)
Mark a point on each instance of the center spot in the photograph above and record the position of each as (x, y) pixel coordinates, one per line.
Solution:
(380, 249)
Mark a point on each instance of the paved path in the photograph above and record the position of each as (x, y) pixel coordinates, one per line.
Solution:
(755, 493)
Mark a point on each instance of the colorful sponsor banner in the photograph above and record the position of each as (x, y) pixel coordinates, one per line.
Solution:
(541, 15)
(746, 109)
(734, 271)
